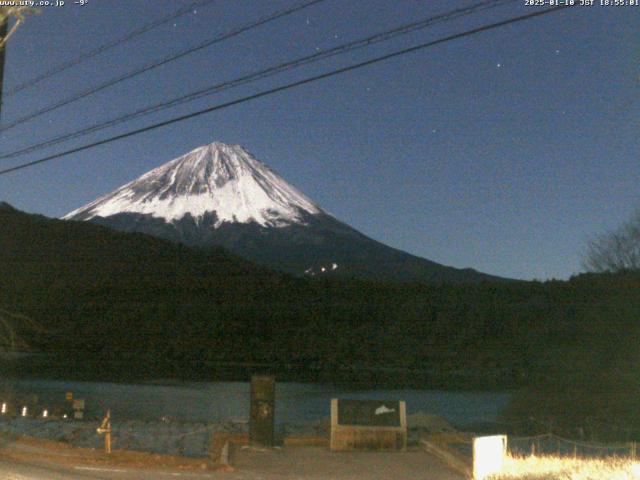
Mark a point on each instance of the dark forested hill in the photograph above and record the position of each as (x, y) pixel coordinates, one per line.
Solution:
(126, 303)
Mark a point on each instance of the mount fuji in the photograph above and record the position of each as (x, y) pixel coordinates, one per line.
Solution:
(220, 194)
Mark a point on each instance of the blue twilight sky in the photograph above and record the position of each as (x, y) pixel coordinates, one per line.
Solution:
(503, 151)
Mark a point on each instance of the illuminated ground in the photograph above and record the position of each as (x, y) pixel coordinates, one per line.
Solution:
(30, 459)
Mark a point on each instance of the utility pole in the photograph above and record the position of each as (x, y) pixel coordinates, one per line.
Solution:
(4, 27)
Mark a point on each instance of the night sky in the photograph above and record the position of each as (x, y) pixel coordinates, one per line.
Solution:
(504, 151)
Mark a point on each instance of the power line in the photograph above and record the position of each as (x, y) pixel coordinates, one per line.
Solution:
(107, 46)
(158, 63)
(289, 86)
(261, 74)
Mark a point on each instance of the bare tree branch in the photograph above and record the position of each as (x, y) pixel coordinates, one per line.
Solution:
(617, 250)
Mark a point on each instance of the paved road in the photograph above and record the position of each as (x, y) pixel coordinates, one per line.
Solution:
(317, 463)
(10, 470)
(20, 471)
(294, 464)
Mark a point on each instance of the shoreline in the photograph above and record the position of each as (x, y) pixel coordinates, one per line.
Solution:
(135, 371)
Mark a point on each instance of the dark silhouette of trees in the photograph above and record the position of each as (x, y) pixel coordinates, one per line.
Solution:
(617, 250)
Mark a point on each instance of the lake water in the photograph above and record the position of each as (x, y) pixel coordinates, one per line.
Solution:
(296, 403)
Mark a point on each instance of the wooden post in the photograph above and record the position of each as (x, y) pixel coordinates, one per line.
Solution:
(403, 423)
(107, 437)
(107, 443)
(105, 428)
(334, 423)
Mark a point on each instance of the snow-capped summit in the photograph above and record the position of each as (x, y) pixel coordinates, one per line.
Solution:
(217, 178)
(221, 195)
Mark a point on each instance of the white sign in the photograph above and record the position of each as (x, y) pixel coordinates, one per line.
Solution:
(488, 455)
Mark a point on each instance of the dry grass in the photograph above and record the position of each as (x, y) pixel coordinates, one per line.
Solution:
(563, 468)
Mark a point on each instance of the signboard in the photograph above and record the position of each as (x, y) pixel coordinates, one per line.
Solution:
(78, 408)
(368, 424)
(262, 415)
(373, 413)
(488, 455)
(69, 396)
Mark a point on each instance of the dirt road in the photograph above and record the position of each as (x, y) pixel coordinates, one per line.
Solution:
(407, 466)
(29, 459)
(11, 470)
(317, 463)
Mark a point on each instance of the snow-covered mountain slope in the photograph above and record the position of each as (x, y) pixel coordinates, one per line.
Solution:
(220, 194)
(217, 178)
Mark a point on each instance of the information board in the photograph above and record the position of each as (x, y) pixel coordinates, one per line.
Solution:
(368, 425)
(373, 413)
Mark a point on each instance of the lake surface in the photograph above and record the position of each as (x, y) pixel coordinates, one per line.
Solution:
(296, 403)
